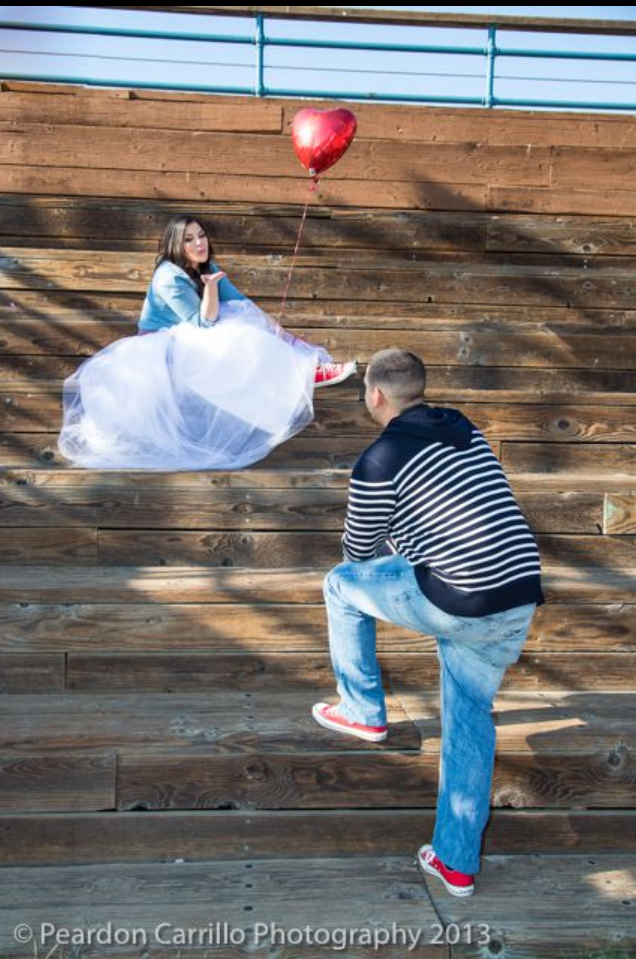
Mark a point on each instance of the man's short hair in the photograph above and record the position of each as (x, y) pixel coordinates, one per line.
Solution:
(399, 374)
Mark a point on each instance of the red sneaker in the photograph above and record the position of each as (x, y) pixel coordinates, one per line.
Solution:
(326, 716)
(457, 883)
(328, 374)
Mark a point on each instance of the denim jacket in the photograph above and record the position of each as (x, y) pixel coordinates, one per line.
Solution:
(173, 298)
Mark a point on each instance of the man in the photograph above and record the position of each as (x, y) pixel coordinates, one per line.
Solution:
(463, 566)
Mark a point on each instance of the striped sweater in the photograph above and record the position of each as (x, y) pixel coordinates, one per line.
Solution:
(431, 487)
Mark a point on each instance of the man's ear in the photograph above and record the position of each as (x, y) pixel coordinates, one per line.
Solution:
(378, 399)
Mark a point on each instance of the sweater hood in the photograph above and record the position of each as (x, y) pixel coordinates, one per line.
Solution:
(433, 423)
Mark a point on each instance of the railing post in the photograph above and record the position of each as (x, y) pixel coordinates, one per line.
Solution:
(491, 53)
(259, 86)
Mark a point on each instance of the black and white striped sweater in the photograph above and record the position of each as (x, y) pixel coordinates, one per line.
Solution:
(433, 489)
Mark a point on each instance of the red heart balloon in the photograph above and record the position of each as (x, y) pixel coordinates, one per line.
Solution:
(320, 137)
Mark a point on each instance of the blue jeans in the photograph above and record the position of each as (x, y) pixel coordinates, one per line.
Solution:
(473, 653)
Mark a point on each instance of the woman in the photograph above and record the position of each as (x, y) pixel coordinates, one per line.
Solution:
(218, 385)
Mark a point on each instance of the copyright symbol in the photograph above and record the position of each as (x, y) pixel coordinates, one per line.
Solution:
(23, 933)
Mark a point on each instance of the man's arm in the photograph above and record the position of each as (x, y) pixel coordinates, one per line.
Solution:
(369, 512)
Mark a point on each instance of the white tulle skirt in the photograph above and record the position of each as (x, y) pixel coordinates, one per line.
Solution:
(191, 398)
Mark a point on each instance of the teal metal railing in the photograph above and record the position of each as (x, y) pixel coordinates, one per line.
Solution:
(489, 53)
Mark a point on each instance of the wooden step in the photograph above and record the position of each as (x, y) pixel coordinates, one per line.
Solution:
(313, 906)
(79, 838)
(290, 659)
(211, 723)
(538, 348)
(232, 721)
(68, 781)
(209, 585)
(261, 550)
(537, 722)
(72, 222)
(312, 509)
(338, 414)
(546, 920)
(254, 901)
(121, 310)
(446, 384)
(262, 750)
(326, 274)
(612, 460)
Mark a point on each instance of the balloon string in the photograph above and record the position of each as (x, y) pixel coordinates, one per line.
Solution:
(313, 186)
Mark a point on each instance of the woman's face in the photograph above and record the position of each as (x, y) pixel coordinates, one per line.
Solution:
(195, 244)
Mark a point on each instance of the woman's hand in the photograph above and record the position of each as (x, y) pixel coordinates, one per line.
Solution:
(212, 277)
(210, 303)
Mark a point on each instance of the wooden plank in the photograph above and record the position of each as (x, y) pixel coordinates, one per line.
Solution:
(64, 89)
(557, 457)
(157, 585)
(72, 307)
(70, 304)
(602, 887)
(160, 907)
(280, 550)
(139, 626)
(204, 482)
(241, 549)
(24, 673)
(233, 509)
(546, 722)
(557, 635)
(247, 226)
(238, 722)
(200, 484)
(535, 672)
(577, 168)
(195, 646)
(619, 514)
(207, 585)
(502, 127)
(189, 672)
(595, 628)
(115, 149)
(602, 200)
(403, 17)
(158, 184)
(130, 266)
(588, 584)
(468, 347)
(604, 780)
(207, 725)
(34, 546)
(183, 883)
(451, 385)
(31, 783)
(176, 671)
(213, 114)
(588, 552)
(38, 449)
(324, 277)
(239, 509)
(589, 236)
(263, 550)
(84, 838)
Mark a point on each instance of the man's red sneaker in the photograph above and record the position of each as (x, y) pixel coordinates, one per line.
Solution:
(328, 374)
(328, 717)
(457, 883)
